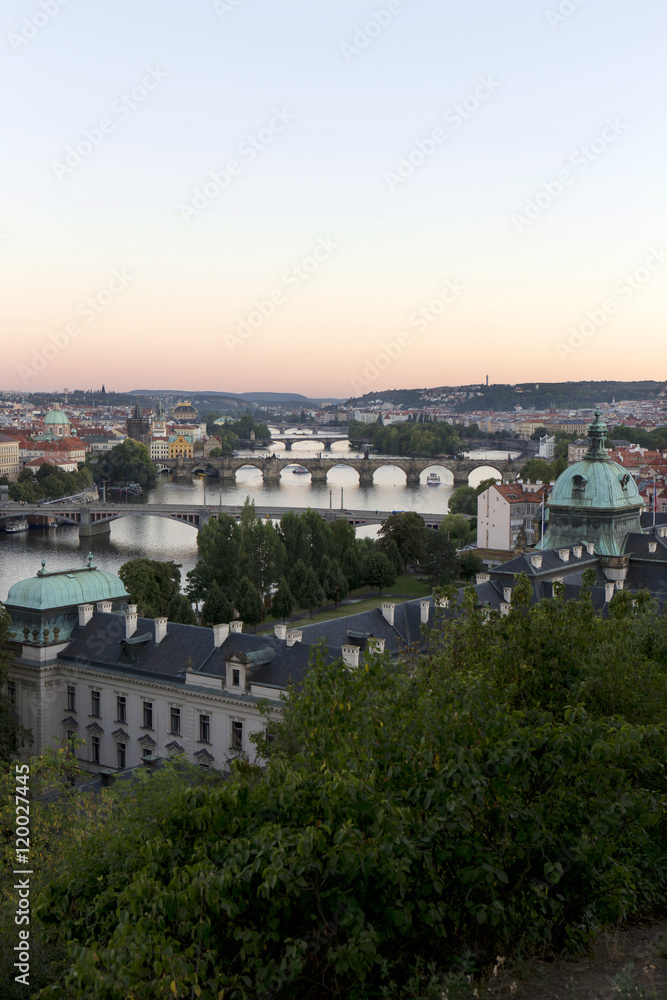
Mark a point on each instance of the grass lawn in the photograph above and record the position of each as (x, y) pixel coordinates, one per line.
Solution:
(404, 589)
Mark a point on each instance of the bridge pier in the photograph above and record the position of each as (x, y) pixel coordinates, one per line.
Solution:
(327, 444)
(288, 444)
(412, 479)
(271, 471)
(89, 527)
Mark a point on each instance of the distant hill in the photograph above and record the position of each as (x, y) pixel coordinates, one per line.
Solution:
(248, 397)
(529, 395)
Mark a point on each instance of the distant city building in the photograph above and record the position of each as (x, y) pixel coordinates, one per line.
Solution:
(180, 446)
(547, 448)
(9, 457)
(139, 426)
(509, 516)
(159, 448)
(576, 450)
(185, 413)
(57, 423)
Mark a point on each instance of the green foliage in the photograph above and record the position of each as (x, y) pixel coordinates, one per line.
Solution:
(379, 571)
(408, 531)
(248, 602)
(49, 482)
(439, 560)
(485, 798)
(263, 554)
(334, 583)
(219, 545)
(469, 565)
(463, 501)
(179, 610)
(282, 604)
(407, 438)
(308, 591)
(485, 484)
(217, 609)
(126, 462)
(151, 585)
(655, 439)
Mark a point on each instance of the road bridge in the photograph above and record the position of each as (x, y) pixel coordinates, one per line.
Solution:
(326, 440)
(319, 468)
(96, 518)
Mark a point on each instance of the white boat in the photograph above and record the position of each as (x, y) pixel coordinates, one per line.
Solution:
(433, 479)
(300, 471)
(20, 525)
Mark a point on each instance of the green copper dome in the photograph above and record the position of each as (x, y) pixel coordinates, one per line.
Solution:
(594, 500)
(56, 416)
(66, 588)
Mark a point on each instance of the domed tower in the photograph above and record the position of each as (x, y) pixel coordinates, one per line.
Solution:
(57, 423)
(595, 501)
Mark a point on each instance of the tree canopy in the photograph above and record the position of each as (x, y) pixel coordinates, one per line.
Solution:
(127, 462)
(151, 585)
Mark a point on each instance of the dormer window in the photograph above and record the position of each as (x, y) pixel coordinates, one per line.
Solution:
(236, 678)
(578, 487)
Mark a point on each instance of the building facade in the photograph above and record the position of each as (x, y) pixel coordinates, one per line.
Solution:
(509, 516)
(9, 457)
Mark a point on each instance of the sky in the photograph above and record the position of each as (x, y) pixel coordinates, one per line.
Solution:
(330, 198)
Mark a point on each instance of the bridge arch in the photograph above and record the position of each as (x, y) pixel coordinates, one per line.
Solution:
(482, 472)
(248, 467)
(336, 465)
(387, 471)
(446, 475)
(288, 469)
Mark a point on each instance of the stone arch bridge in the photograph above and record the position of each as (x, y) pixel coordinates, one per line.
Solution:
(319, 468)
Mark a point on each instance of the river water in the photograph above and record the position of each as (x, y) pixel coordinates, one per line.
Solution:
(159, 538)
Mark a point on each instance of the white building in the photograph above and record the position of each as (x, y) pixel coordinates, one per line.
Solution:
(509, 514)
(547, 448)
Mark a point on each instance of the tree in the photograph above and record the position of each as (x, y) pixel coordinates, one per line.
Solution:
(408, 531)
(538, 469)
(219, 545)
(456, 527)
(263, 554)
(215, 453)
(129, 461)
(484, 485)
(309, 593)
(334, 583)
(538, 433)
(439, 560)
(248, 602)
(470, 564)
(379, 571)
(463, 501)
(151, 585)
(217, 610)
(295, 538)
(282, 604)
(180, 611)
(317, 532)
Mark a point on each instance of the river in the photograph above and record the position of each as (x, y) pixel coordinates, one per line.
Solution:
(158, 538)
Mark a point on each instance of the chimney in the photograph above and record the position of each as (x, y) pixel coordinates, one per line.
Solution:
(388, 612)
(351, 655)
(504, 608)
(130, 621)
(375, 645)
(85, 613)
(280, 631)
(536, 561)
(564, 555)
(609, 589)
(424, 608)
(294, 635)
(104, 607)
(507, 594)
(652, 546)
(441, 602)
(590, 548)
(482, 578)
(220, 633)
(160, 630)
(620, 584)
(236, 626)
(577, 551)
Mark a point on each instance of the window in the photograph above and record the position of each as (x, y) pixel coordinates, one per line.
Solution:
(95, 703)
(11, 692)
(236, 678)
(148, 715)
(120, 751)
(71, 734)
(237, 735)
(146, 752)
(71, 698)
(95, 749)
(176, 721)
(205, 728)
(121, 708)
